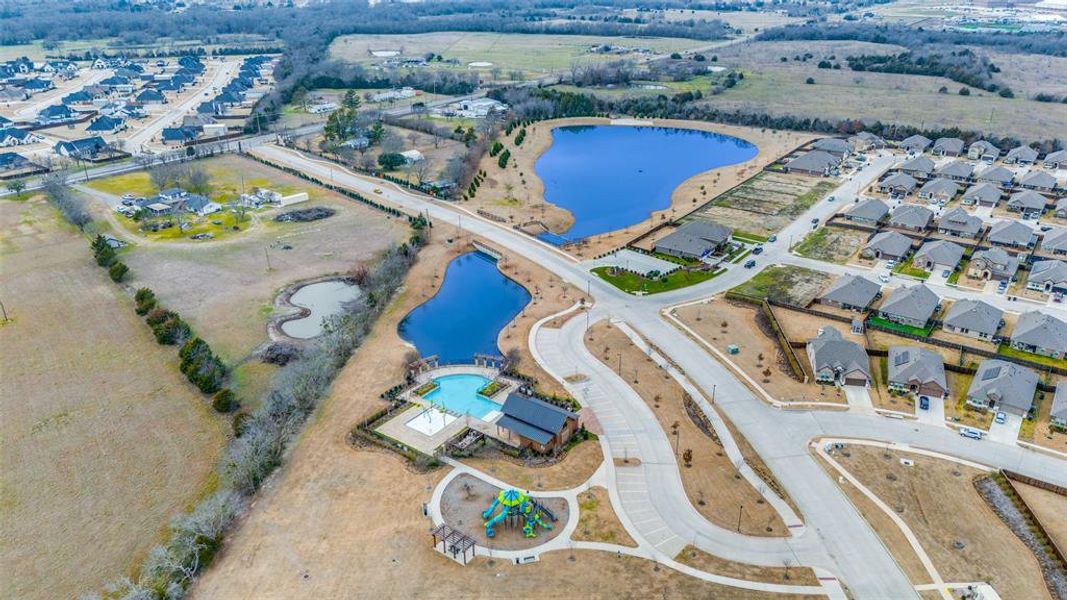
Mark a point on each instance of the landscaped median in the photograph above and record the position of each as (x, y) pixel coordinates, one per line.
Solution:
(633, 283)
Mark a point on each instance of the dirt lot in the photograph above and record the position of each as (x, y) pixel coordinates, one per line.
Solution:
(1049, 507)
(990, 551)
(578, 466)
(335, 519)
(795, 285)
(767, 202)
(712, 483)
(597, 521)
(517, 194)
(103, 439)
(742, 329)
(695, 557)
(831, 244)
(466, 497)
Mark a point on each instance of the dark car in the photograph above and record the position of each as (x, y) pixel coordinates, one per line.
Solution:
(757, 250)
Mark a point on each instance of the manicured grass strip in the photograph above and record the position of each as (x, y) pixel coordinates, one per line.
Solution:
(749, 238)
(907, 329)
(1006, 350)
(741, 256)
(633, 283)
(906, 268)
(954, 278)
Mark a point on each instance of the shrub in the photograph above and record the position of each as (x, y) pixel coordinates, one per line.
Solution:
(117, 271)
(145, 299)
(810, 81)
(496, 148)
(201, 366)
(240, 423)
(225, 401)
(167, 326)
(391, 161)
(965, 91)
(103, 253)
(503, 160)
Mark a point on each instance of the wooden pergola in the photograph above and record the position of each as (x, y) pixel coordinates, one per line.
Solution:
(453, 544)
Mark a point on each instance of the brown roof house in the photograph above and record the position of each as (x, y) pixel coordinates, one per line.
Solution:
(917, 371)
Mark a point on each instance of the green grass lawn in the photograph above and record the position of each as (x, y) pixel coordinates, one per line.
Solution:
(906, 268)
(749, 238)
(137, 183)
(908, 329)
(954, 278)
(635, 284)
(1006, 350)
(740, 255)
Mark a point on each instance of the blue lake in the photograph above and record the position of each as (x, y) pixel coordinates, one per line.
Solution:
(611, 177)
(475, 302)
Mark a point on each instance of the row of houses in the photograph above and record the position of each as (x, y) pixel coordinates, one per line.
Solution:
(234, 93)
(981, 150)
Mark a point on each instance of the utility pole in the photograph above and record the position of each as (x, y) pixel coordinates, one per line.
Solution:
(740, 509)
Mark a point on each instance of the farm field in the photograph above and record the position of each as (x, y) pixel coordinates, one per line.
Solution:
(765, 203)
(508, 51)
(103, 439)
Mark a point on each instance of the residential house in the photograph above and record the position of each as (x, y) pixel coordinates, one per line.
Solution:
(1040, 333)
(412, 156)
(938, 255)
(838, 361)
(957, 170)
(982, 194)
(898, 185)
(888, 245)
(917, 371)
(1038, 180)
(1061, 208)
(948, 146)
(1058, 412)
(1048, 276)
(1055, 241)
(814, 162)
(973, 318)
(1012, 234)
(14, 136)
(914, 305)
(85, 148)
(911, 217)
(694, 240)
(57, 113)
(1022, 155)
(11, 161)
(13, 94)
(536, 424)
(871, 211)
(1028, 202)
(179, 135)
(836, 146)
(997, 175)
(916, 144)
(919, 167)
(1056, 160)
(983, 150)
(851, 292)
(865, 140)
(195, 203)
(994, 264)
(1002, 386)
(151, 97)
(4, 121)
(117, 83)
(940, 191)
(37, 84)
(959, 223)
(106, 124)
(78, 98)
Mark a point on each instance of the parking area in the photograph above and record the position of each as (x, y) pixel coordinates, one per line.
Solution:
(858, 397)
(1008, 431)
(934, 414)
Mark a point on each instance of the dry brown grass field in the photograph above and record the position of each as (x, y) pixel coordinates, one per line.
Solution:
(103, 440)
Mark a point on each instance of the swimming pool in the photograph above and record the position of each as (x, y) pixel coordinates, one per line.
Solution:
(458, 394)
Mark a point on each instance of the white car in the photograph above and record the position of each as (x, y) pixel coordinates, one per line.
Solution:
(891, 264)
(884, 277)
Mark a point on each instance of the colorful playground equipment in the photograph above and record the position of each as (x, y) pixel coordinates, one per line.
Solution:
(515, 507)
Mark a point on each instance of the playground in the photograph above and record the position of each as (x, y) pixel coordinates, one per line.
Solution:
(468, 503)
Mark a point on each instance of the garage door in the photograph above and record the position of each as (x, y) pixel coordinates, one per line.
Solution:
(855, 381)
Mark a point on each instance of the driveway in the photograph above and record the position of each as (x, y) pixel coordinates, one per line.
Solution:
(858, 397)
(1006, 432)
(935, 415)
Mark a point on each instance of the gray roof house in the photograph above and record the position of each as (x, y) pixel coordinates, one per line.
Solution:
(916, 370)
(1038, 180)
(851, 292)
(948, 146)
(1011, 234)
(1055, 160)
(1027, 202)
(996, 174)
(1061, 207)
(1023, 155)
(973, 318)
(836, 146)
(958, 170)
(938, 254)
(537, 423)
(898, 185)
(814, 162)
(1003, 386)
(694, 240)
(1040, 333)
(1058, 413)
(982, 194)
(1048, 276)
(911, 216)
(870, 211)
(888, 245)
(983, 150)
(939, 190)
(920, 166)
(912, 305)
(916, 143)
(837, 360)
(1055, 241)
(866, 140)
(993, 263)
(959, 223)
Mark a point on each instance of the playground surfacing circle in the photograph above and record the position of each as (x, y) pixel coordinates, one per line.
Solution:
(465, 499)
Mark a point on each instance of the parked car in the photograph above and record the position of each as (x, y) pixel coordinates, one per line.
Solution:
(757, 250)
(946, 273)
(831, 199)
(1046, 228)
(772, 239)
(1001, 418)
(970, 432)
(1002, 287)
(884, 277)
(891, 264)
(815, 221)
(924, 402)
(750, 263)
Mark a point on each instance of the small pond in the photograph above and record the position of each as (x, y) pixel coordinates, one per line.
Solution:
(610, 177)
(323, 299)
(475, 302)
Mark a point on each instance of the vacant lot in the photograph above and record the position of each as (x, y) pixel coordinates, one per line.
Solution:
(988, 550)
(831, 244)
(1049, 507)
(795, 285)
(597, 521)
(103, 439)
(767, 202)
